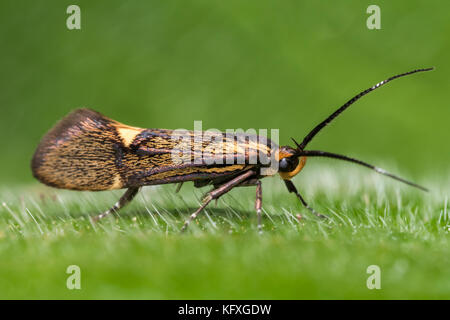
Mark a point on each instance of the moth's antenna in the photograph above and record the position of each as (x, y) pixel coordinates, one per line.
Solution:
(321, 125)
(296, 143)
(317, 153)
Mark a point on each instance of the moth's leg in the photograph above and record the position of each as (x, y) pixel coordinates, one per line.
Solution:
(126, 198)
(258, 204)
(216, 193)
(293, 189)
(179, 187)
(258, 201)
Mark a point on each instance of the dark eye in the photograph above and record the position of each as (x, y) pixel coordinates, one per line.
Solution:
(288, 164)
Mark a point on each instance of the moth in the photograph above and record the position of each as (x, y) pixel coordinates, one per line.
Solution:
(88, 151)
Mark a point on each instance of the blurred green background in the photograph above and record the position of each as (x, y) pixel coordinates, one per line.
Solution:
(232, 64)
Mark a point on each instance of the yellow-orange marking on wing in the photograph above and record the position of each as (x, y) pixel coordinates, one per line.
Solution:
(117, 184)
(127, 134)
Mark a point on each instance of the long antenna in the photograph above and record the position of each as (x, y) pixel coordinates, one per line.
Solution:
(317, 153)
(321, 125)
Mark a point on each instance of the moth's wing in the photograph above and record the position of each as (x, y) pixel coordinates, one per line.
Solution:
(88, 151)
(170, 156)
(79, 152)
(154, 158)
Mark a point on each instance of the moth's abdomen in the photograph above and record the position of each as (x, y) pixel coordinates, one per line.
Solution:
(79, 153)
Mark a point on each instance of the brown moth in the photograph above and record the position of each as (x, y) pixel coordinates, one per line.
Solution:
(88, 151)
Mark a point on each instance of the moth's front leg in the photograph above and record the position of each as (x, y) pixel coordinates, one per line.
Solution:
(291, 188)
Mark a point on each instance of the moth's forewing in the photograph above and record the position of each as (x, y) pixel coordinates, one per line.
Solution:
(226, 155)
(88, 151)
(79, 153)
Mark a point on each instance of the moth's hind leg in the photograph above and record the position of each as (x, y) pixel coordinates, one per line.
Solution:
(123, 201)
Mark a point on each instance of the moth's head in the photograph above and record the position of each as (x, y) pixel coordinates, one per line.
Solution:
(289, 163)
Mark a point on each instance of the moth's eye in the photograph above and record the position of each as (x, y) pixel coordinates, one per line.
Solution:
(288, 164)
